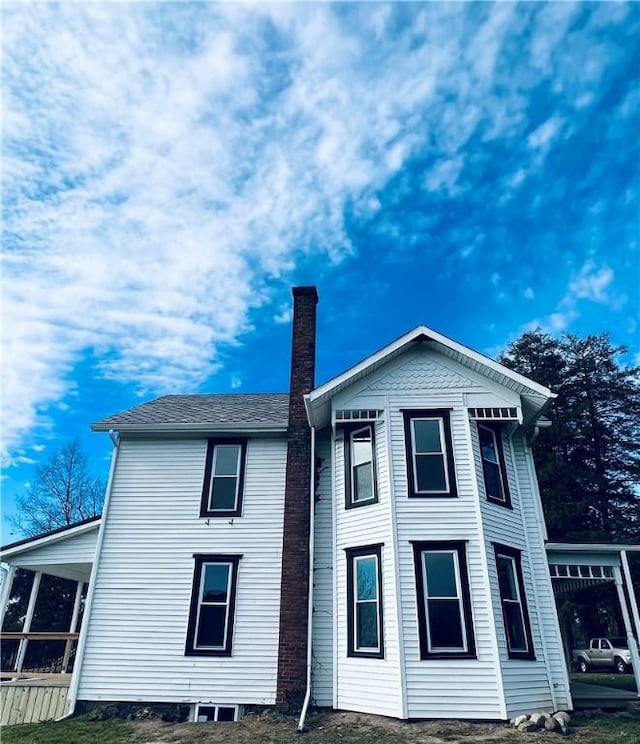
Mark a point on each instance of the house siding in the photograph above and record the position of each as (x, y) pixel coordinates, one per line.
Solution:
(422, 379)
(322, 638)
(75, 549)
(136, 639)
(367, 685)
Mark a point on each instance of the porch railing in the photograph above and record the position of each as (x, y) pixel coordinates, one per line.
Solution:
(48, 658)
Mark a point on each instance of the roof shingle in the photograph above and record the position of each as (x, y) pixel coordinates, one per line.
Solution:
(197, 410)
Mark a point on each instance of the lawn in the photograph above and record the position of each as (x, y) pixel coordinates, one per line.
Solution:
(619, 681)
(325, 728)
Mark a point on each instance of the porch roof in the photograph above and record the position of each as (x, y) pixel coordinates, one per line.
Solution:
(67, 552)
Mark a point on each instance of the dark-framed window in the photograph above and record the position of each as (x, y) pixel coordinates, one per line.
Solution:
(360, 465)
(223, 478)
(213, 599)
(445, 621)
(515, 613)
(365, 635)
(494, 470)
(429, 451)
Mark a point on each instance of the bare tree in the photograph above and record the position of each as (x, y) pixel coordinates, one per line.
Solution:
(63, 492)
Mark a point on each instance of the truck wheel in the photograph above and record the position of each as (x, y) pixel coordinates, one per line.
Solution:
(621, 667)
(583, 666)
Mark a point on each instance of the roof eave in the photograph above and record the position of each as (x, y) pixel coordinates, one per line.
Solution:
(329, 388)
(38, 541)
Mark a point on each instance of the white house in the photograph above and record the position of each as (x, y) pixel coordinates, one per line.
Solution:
(408, 478)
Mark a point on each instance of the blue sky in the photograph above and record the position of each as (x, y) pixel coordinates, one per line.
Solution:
(170, 170)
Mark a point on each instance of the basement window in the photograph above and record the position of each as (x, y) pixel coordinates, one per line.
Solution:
(217, 713)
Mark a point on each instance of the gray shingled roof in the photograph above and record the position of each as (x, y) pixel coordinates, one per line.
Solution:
(260, 409)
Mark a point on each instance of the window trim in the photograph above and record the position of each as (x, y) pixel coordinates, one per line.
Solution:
(515, 556)
(496, 433)
(205, 510)
(458, 547)
(349, 431)
(443, 415)
(202, 560)
(352, 555)
(216, 712)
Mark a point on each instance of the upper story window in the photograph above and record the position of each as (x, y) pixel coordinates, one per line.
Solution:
(360, 470)
(429, 450)
(494, 470)
(444, 604)
(514, 603)
(223, 478)
(364, 602)
(213, 597)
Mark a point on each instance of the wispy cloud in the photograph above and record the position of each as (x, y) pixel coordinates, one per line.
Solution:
(167, 166)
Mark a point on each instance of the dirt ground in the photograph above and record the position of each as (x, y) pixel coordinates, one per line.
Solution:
(354, 728)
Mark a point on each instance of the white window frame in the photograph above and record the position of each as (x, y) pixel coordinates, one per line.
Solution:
(216, 707)
(202, 603)
(428, 597)
(216, 449)
(527, 651)
(502, 498)
(353, 500)
(442, 453)
(356, 602)
(202, 561)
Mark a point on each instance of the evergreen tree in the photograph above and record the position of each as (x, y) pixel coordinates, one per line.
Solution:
(588, 461)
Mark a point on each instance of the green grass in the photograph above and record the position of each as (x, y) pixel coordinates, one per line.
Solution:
(325, 728)
(72, 731)
(619, 681)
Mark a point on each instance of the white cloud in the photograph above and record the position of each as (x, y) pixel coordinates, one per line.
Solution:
(166, 166)
(592, 283)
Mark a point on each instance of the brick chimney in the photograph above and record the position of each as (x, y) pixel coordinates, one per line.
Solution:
(292, 652)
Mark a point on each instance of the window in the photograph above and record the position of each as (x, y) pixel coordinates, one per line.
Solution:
(514, 603)
(429, 450)
(444, 605)
(223, 478)
(493, 466)
(360, 473)
(212, 610)
(206, 713)
(364, 602)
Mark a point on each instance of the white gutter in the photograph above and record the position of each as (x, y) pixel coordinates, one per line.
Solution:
(72, 695)
(312, 479)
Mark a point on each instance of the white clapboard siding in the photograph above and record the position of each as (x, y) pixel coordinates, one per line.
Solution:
(322, 670)
(438, 688)
(527, 684)
(363, 684)
(546, 615)
(137, 629)
(78, 548)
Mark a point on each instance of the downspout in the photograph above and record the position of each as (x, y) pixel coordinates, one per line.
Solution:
(77, 668)
(312, 501)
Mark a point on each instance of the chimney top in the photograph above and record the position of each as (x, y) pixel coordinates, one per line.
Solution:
(301, 291)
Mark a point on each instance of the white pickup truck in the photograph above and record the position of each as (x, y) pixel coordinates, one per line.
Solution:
(603, 654)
